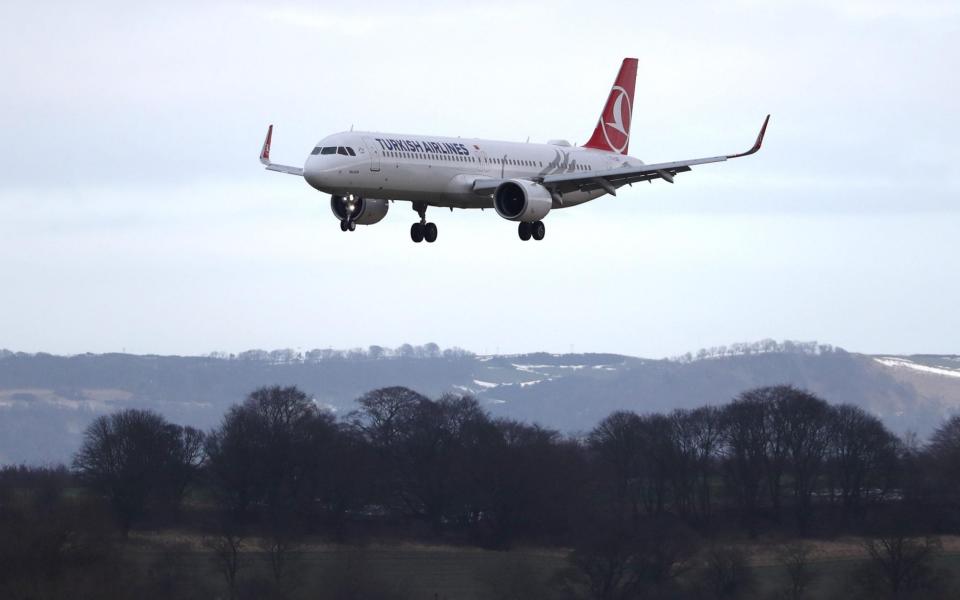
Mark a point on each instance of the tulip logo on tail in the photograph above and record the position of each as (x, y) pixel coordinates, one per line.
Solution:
(615, 121)
(613, 129)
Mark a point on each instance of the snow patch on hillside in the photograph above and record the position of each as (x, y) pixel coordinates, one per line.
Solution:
(903, 363)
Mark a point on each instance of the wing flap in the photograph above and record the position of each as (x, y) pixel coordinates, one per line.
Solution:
(614, 178)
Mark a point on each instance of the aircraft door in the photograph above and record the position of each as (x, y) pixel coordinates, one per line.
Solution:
(373, 149)
(484, 164)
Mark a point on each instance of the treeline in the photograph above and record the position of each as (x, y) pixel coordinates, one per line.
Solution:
(289, 356)
(766, 346)
(637, 497)
(283, 356)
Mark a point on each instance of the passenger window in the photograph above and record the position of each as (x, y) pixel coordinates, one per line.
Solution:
(329, 150)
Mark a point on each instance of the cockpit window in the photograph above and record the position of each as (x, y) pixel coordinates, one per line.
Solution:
(316, 151)
(350, 151)
(329, 150)
(341, 150)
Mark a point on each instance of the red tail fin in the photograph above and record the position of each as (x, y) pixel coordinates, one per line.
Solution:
(613, 129)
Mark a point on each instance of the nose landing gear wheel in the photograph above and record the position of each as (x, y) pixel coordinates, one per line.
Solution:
(352, 226)
(416, 233)
(344, 226)
(539, 230)
(430, 232)
(525, 230)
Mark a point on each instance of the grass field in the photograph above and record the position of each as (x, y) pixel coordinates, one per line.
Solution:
(462, 573)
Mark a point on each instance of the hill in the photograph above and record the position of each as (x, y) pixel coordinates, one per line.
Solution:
(46, 401)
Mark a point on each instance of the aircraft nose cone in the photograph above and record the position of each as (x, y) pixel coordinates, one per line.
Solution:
(313, 173)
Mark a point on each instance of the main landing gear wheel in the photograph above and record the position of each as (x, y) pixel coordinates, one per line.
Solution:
(525, 230)
(430, 232)
(423, 230)
(534, 230)
(539, 230)
(416, 232)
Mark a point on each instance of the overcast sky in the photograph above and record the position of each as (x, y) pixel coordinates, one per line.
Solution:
(134, 215)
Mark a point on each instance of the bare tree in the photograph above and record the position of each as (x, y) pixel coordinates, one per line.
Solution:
(944, 454)
(135, 458)
(282, 549)
(616, 443)
(745, 428)
(901, 567)
(698, 437)
(610, 562)
(860, 456)
(226, 550)
(805, 439)
(726, 573)
(795, 559)
(268, 451)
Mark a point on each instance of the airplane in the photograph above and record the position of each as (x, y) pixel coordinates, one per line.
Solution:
(522, 182)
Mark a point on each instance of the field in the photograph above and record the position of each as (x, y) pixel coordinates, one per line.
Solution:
(448, 572)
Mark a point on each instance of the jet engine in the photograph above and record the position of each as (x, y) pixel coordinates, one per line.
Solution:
(522, 200)
(363, 211)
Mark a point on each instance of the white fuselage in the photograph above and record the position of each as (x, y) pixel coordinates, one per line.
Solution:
(440, 171)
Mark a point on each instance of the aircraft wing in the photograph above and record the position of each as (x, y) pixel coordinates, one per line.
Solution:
(611, 179)
(271, 166)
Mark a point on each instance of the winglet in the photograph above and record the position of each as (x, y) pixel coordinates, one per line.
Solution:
(265, 152)
(756, 145)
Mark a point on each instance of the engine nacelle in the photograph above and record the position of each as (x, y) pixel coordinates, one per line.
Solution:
(522, 200)
(366, 211)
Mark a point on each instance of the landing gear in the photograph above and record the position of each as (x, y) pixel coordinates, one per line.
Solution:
(535, 230)
(423, 231)
(347, 206)
(430, 232)
(525, 230)
(416, 232)
(539, 230)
